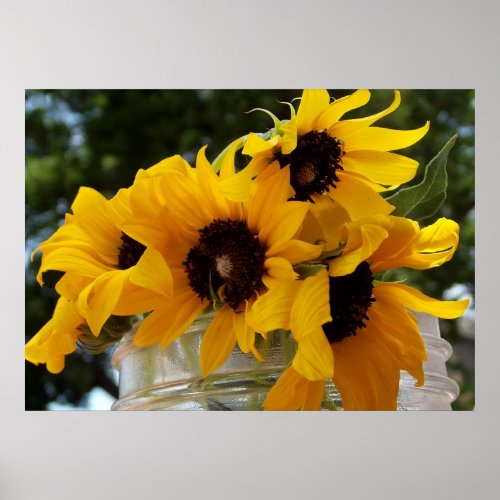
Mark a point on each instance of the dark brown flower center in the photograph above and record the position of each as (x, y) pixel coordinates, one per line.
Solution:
(313, 164)
(228, 261)
(129, 252)
(350, 298)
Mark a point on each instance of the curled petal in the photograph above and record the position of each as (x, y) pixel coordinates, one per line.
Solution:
(417, 301)
(383, 139)
(334, 112)
(362, 241)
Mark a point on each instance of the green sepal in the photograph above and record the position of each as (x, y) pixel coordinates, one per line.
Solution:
(379, 277)
(307, 270)
(424, 200)
(214, 297)
(276, 120)
(217, 163)
(330, 254)
(382, 282)
(292, 109)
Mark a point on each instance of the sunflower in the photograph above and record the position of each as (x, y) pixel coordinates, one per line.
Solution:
(353, 329)
(226, 240)
(348, 160)
(92, 244)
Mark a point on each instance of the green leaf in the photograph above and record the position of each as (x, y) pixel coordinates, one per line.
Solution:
(423, 200)
(428, 208)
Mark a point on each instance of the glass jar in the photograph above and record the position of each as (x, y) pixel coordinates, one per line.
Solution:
(153, 379)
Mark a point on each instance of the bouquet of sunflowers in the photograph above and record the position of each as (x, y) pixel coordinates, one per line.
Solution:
(299, 239)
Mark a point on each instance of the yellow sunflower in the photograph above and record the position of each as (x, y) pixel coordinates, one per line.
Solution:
(91, 244)
(58, 336)
(352, 329)
(95, 255)
(348, 160)
(226, 240)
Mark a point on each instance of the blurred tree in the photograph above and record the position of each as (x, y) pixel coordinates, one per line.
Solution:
(99, 138)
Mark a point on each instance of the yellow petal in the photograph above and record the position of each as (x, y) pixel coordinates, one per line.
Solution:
(244, 333)
(295, 251)
(277, 269)
(73, 261)
(357, 198)
(70, 285)
(312, 104)
(227, 169)
(313, 395)
(289, 137)
(283, 223)
(72, 235)
(323, 222)
(434, 245)
(271, 310)
(137, 300)
(214, 203)
(66, 318)
(417, 301)
(294, 392)
(170, 320)
(171, 164)
(424, 249)
(151, 271)
(269, 191)
(366, 372)
(383, 139)
(119, 207)
(402, 233)
(314, 357)
(218, 341)
(334, 112)
(91, 211)
(380, 166)
(99, 299)
(345, 128)
(399, 331)
(236, 188)
(185, 199)
(146, 197)
(257, 165)
(55, 365)
(362, 241)
(376, 187)
(311, 305)
(255, 145)
(56, 338)
(150, 235)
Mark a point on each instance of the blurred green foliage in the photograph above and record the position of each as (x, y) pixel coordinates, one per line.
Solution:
(100, 138)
